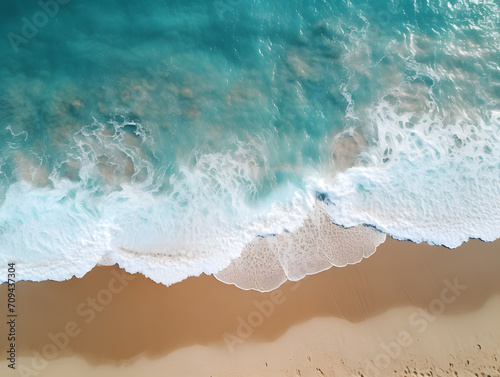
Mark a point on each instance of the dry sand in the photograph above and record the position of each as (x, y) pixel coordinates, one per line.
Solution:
(409, 310)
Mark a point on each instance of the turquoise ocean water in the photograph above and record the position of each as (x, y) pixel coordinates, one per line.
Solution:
(167, 135)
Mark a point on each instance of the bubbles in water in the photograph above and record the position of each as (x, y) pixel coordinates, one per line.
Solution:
(267, 262)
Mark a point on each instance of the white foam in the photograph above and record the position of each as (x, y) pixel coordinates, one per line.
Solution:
(51, 236)
(425, 181)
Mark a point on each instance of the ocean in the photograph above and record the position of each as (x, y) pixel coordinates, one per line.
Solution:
(277, 138)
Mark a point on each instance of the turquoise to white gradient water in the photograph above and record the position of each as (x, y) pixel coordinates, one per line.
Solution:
(167, 136)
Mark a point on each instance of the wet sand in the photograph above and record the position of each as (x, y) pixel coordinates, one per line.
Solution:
(407, 310)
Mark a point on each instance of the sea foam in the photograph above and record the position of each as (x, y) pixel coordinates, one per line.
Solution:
(426, 181)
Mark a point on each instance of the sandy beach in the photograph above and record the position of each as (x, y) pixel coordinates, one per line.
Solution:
(408, 310)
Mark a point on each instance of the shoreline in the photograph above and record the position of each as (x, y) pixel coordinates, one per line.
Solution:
(426, 302)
